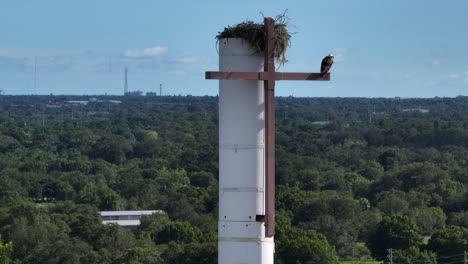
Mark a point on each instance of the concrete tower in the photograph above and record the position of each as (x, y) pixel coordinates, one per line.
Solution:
(241, 229)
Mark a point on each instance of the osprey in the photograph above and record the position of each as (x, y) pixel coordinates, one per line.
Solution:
(327, 62)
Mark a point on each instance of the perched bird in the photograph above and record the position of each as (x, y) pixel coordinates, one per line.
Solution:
(327, 62)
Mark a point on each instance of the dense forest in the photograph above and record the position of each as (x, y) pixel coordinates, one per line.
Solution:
(355, 177)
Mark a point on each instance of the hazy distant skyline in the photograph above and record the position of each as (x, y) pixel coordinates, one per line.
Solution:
(383, 48)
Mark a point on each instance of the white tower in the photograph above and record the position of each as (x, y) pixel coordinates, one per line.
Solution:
(241, 231)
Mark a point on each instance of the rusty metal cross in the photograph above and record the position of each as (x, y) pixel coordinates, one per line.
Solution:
(269, 76)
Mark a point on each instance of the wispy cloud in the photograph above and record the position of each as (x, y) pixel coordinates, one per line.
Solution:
(435, 63)
(432, 57)
(41, 63)
(454, 76)
(137, 60)
(454, 79)
(464, 77)
(8, 63)
(340, 53)
(433, 53)
(146, 53)
(54, 63)
(187, 59)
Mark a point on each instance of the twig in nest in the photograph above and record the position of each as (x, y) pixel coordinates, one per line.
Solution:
(254, 34)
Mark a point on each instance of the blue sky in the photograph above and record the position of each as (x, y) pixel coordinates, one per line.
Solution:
(415, 48)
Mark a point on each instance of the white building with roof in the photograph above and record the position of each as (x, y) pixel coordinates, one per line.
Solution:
(126, 218)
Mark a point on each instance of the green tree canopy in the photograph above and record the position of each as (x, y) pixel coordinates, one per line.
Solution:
(449, 240)
(397, 232)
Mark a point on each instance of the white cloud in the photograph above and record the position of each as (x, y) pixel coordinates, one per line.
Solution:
(412, 79)
(454, 79)
(435, 63)
(454, 76)
(339, 54)
(146, 53)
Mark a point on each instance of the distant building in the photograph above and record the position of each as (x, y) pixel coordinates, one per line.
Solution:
(135, 93)
(53, 105)
(126, 218)
(321, 123)
(151, 94)
(421, 110)
(77, 102)
(114, 101)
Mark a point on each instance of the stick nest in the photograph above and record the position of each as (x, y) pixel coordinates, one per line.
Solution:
(254, 34)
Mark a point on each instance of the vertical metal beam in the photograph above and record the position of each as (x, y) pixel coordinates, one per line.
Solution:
(269, 86)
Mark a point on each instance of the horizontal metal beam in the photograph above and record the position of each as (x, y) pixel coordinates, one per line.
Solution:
(278, 76)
